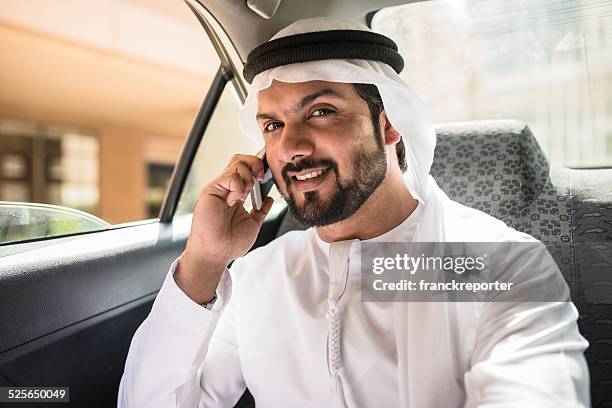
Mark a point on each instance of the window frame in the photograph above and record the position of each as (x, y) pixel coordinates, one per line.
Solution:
(190, 149)
(227, 72)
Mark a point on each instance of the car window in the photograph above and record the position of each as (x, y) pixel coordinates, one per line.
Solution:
(544, 62)
(93, 112)
(21, 221)
(221, 140)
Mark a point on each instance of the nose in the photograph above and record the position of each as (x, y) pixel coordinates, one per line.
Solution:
(294, 144)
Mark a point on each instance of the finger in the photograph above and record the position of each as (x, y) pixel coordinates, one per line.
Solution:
(232, 187)
(246, 174)
(252, 162)
(260, 215)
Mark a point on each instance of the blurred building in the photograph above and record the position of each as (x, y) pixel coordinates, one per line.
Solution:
(96, 99)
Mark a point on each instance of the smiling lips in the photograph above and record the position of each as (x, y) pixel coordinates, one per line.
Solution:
(309, 175)
(309, 180)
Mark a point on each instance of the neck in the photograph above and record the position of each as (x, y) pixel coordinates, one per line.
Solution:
(388, 207)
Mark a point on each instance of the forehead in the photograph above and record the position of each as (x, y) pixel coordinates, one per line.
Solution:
(290, 93)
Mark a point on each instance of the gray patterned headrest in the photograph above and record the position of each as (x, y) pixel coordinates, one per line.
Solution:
(495, 166)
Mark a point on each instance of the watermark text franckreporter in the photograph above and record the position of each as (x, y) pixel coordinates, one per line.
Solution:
(423, 285)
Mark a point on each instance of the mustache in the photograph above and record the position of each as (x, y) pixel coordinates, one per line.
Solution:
(307, 163)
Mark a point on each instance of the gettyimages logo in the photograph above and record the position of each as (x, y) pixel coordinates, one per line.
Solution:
(411, 264)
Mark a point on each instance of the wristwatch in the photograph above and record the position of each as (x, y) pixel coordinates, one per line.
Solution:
(209, 305)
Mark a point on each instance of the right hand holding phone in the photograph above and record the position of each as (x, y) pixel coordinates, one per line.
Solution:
(221, 230)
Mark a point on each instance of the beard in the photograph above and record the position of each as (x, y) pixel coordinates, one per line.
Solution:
(369, 169)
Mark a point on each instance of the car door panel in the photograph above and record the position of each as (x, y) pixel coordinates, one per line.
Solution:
(67, 282)
(88, 356)
(71, 310)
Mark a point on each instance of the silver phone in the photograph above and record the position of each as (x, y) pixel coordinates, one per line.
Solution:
(262, 188)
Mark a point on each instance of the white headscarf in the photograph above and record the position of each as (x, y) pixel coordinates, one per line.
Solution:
(403, 108)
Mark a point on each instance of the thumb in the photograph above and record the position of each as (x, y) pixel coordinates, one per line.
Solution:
(260, 215)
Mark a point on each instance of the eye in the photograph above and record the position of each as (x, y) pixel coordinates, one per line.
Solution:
(269, 127)
(322, 112)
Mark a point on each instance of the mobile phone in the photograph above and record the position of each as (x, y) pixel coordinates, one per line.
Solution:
(262, 188)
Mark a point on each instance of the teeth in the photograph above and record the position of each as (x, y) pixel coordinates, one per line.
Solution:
(310, 175)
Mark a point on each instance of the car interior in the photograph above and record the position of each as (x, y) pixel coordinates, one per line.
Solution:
(68, 316)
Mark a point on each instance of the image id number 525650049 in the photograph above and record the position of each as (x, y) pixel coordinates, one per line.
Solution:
(34, 394)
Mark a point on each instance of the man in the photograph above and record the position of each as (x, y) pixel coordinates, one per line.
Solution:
(287, 320)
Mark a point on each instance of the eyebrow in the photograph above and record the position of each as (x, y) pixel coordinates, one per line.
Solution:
(303, 102)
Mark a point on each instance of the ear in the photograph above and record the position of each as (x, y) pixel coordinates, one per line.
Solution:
(390, 135)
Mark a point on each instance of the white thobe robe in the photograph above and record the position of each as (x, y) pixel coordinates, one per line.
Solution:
(270, 331)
